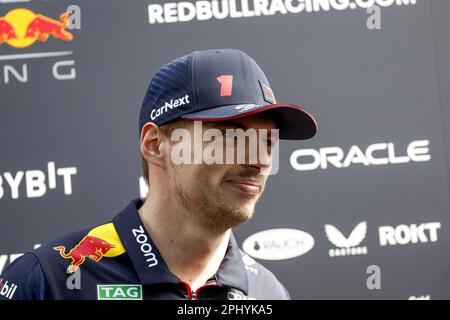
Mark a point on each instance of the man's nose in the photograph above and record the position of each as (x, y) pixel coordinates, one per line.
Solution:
(260, 156)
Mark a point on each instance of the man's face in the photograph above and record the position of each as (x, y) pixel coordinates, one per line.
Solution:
(222, 196)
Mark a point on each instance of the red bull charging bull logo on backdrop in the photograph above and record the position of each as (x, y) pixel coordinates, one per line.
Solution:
(20, 28)
(102, 241)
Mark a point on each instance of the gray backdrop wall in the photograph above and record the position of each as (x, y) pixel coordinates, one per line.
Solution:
(369, 192)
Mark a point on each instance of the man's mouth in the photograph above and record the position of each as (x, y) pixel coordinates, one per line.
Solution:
(250, 187)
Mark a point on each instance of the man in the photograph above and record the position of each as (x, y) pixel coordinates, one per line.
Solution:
(178, 244)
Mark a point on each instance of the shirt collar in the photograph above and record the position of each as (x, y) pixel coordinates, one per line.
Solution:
(149, 263)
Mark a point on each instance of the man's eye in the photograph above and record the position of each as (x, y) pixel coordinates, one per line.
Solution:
(228, 134)
(235, 134)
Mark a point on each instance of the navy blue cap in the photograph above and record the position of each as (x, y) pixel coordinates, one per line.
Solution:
(216, 85)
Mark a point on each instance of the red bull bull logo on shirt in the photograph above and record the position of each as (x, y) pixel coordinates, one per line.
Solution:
(102, 241)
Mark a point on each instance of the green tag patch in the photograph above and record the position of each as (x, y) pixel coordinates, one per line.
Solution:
(119, 292)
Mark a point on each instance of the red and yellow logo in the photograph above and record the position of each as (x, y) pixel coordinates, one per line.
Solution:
(102, 241)
(20, 28)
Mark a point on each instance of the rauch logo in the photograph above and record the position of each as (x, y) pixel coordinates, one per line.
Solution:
(278, 244)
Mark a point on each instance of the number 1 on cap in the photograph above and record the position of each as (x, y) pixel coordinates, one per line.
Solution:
(226, 85)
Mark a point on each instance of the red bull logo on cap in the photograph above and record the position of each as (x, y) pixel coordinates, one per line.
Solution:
(102, 241)
(20, 28)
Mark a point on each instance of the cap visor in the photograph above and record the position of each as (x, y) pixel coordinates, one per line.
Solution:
(294, 122)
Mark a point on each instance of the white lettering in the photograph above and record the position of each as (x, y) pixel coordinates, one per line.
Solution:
(36, 184)
(407, 234)
(146, 248)
(311, 159)
(203, 10)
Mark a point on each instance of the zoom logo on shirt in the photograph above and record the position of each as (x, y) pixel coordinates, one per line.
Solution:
(146, 248)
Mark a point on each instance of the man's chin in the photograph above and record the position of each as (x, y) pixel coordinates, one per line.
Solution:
(229, 210)
(241, 214)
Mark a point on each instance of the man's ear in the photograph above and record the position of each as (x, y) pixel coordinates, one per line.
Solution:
(151, 144)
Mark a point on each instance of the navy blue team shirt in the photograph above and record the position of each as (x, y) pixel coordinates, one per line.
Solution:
(118, 260)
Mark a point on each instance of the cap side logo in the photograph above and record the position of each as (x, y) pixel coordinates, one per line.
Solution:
(267, 93)
(174, 103)
(246, 107)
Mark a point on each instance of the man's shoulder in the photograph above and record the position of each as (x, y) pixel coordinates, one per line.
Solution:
(89, 242)
(262, 280)
(42, 273)
(67, 239)
(73, 248)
